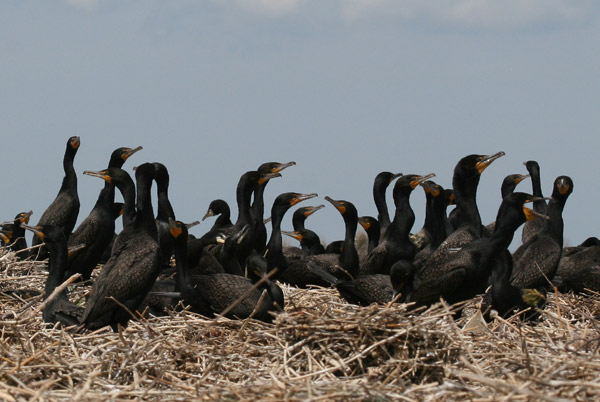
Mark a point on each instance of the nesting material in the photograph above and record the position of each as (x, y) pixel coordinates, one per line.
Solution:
(320, 348)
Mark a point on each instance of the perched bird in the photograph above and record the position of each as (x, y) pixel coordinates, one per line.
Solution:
(465, 181)
(536, 262)
(98, 228)
(258, 204)
(395, 243)
(221, 209)
(579, 267)
(17, 233)
(309, 241)
(435, 229)
(63, 211)
(508, 186)
(507, 299)
(133, 266)
(464, 273)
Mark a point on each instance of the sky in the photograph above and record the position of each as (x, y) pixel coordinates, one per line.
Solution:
(345, 88)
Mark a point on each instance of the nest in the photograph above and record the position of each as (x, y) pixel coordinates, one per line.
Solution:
(320, 348)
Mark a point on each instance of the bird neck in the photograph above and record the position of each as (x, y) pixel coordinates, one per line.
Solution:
(127, 190)
(349, 256)
(437, 227)
(165, 209)
(243, 197)
(555, 225)
(145, 215)
(404, 219)
(70, 179)
(383, 215)
(106, 199)
(373, 236)
(466, 202)
(275, 257)
(57, 266)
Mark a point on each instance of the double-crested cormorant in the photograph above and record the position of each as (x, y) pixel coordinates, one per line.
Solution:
(465, 181)
(435, 229)
(373, 230)
(309, 241)
(246, 186)
(508, 186)
(395, 244)
(133, 266)
(536, 262)
(258, 204)
(64, 209)
(465, 273)
(60, 309)
(299, 216)
(507, 299)
(222, 293)
(221, 209)
(98, 228)
(540, 206)
(17, 233)
(344, 265)
(579, 267)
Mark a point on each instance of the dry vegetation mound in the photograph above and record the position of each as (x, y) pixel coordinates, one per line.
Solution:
(320, 348)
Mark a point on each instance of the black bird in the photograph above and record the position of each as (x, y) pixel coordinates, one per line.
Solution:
(395, 243)
(436, 228)
(540, 206)
(245, 188)
(17, 233)
(64, 209)
(373, 230)
(536, 262)
(217, 293)
(465, 181)
(299, 216)
(380, 185)
(507, 299)
(221, 209)
(579, 267)
(309, 241)
(344, 265)
(464, 273)
(60, 309)
(98, 228)
(121, 179)
(133, 266)
(508, 186)
(223, 290)
(164, 213)
(258, 204)
(295, 271)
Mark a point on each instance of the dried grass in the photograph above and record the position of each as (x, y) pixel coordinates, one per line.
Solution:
(321, 348)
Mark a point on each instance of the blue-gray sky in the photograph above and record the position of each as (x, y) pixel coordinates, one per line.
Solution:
(346, 88)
